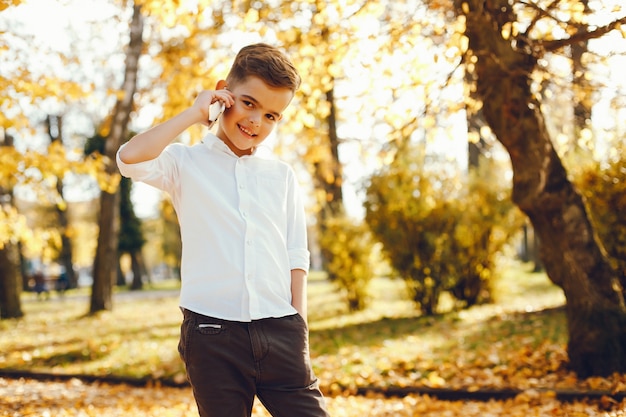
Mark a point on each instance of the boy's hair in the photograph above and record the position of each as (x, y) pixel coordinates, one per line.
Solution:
(266, 62)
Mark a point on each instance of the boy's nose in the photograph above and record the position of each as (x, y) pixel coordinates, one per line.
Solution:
(255, 120)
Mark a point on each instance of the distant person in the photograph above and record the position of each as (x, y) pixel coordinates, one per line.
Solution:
(62, 283)
(41, 287)
(245, 258)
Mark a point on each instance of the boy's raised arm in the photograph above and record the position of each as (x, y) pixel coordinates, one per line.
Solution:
(149, 144)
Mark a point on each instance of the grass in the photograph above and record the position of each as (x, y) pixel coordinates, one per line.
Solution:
(519, 338)
(482, 347)
(517, 342)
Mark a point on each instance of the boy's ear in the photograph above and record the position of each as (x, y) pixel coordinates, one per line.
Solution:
(221, 84)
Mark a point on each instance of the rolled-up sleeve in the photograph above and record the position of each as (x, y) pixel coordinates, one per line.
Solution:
(297, 244)
(299, 259)
(156, 172)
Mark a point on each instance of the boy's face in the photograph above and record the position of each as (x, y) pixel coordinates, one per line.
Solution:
(258, 108)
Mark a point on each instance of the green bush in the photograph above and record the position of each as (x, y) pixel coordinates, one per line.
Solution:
(347, 248)
(440, 233)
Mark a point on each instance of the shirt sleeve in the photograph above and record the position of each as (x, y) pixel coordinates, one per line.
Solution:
(159, 172)
(297, 245)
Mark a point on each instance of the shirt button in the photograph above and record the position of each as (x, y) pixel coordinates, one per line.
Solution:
(241, 186)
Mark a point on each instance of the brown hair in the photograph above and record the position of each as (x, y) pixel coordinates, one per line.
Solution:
(266, 62)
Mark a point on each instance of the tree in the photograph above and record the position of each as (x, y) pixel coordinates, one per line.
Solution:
(10, 282)
(131, 238)
(10, 277)
(54, 125)
(26, 89)
(105, 267)
(582, 87)
(573, 256)
(604, 185)
(171, 247)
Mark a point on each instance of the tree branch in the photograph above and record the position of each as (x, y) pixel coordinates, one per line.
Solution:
(541, 13)
(580, 36)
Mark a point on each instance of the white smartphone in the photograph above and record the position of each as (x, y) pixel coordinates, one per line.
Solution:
(215, 111)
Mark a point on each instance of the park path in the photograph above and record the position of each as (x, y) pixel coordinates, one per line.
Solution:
(117, 296)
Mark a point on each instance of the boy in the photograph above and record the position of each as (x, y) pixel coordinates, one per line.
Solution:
(245, 258)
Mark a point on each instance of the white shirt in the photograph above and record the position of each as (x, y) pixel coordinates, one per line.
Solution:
(242, 224)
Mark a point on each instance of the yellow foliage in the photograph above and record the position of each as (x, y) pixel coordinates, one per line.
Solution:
(35, 241)
(308, 120)
(119, 95)
(41, 172)
(506, 30)
(252, 16)
(108, 183)
(5, 4)
(429, 122)
(12, 224)
(604, 188)
(577, 10)
(10, 162)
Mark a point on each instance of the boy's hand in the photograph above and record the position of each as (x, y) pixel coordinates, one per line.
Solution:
(207, 97)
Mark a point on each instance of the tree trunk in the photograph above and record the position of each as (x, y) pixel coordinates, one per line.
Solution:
(329, 179)
(11, 279)
(24, 268)
(583, 90)
(54, 126)
(535, 254)
(329, 172)
(105, 263)
(477, 145)
(571, 253)
(138, 267)
(10, 283)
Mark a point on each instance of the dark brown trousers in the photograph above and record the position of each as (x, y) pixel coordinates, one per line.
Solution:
(229, 363)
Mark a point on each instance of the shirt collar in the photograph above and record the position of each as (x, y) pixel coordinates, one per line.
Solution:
(213, 142)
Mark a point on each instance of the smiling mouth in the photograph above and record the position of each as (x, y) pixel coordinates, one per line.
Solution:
(247, 132)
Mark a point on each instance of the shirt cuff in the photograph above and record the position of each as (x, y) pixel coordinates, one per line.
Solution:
(139, 171)
(299, 259)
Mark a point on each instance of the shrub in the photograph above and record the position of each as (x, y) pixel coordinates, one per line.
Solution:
(604, 188)
(486, 221)
(346, 247)
(439, 232)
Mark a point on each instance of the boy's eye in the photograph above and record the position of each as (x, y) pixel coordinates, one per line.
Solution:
(248, 103)
(270, 116)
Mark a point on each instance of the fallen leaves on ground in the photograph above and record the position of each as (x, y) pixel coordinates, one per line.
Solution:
(497, 352)
(518, 344)
(30, 398)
